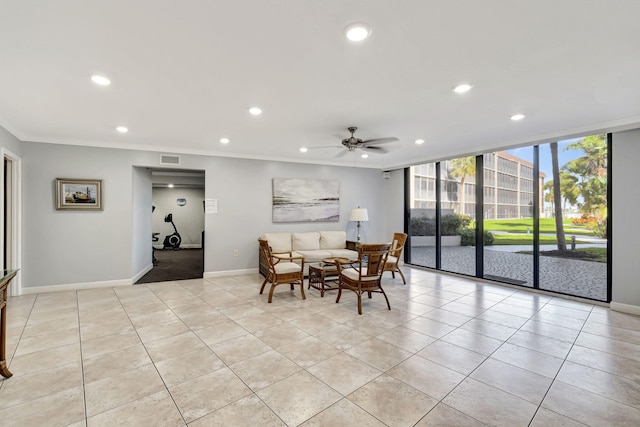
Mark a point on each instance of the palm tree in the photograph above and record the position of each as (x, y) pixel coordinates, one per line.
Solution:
(562, 243)
(461, 168)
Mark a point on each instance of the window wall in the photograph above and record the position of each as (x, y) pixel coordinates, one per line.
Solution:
(574, 219)
(508, 218)
(533, 216)
(457, 215)
(422, 216)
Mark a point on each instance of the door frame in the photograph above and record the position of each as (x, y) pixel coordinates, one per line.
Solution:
(15, 288)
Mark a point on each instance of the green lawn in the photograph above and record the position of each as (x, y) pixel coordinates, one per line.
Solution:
(521, 239)
(547, 225)
(600, 252)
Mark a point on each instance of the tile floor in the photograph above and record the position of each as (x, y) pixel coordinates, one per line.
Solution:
(451, 351)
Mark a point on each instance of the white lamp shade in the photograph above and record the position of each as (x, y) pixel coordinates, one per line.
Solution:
(359, 214)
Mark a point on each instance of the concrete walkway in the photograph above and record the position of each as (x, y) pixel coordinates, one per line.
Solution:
(569, 276)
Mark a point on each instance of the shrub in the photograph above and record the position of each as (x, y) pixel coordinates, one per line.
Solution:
(585, 220)
(468, 237)
(600, 228)
(451, 225)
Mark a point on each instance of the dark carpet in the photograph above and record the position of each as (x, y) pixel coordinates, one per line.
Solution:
(175, 265)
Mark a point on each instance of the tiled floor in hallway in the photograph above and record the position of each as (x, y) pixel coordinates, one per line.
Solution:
(213, 352)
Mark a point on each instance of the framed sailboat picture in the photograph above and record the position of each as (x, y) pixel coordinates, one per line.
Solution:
(78, 194)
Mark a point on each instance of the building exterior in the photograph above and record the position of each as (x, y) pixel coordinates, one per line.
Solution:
(508, 187)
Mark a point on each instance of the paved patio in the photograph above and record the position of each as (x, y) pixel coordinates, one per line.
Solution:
(569, 276)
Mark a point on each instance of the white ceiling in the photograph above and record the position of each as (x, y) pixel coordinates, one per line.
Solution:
(185, 73)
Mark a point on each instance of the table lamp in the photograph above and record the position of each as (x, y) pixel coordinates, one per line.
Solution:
(359, 215)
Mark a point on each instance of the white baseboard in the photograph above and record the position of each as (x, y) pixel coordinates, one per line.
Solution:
(211, 274)
(625, 308)
(142, 273)
(75, 286)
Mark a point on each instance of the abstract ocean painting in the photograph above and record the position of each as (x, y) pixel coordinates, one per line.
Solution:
(306, 200)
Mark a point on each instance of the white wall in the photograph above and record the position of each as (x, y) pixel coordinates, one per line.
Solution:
(625, 220)
(63, 247)
(141, 251)
(189, 219)
(66, 247)
(10, 142)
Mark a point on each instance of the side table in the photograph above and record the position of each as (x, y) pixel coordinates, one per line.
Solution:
(4, 283)
(320, 273)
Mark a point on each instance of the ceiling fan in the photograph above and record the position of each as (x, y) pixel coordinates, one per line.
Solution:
(370, 145)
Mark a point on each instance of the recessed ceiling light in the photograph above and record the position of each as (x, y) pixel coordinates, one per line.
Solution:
(303, 149)
(364, 156)
(255, 111)
(357, 31)
(122, 129)
(462, 88)
(224, 140)
(100, 80)
(170, 185)
(419, 141)
(517, 117)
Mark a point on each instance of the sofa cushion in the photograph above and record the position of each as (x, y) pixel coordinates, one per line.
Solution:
(333, 240)
(314, 256)
(279, 242)
(305, 241)
(343, 253)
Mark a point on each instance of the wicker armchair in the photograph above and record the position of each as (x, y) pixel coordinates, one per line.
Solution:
(281, 269)
(364, 274)
(397, 245)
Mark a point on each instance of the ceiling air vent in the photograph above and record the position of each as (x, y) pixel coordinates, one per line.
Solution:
(166, 159)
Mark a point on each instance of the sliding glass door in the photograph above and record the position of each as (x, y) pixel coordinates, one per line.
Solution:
(533, 216)
(573, 227)
(508, 214)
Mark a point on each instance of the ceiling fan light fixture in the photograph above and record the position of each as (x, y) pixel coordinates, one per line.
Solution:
(357, 31)
(462, 88)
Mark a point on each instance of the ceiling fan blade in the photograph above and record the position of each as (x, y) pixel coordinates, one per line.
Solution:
(376, 150)
(342, 153)
(380, 140)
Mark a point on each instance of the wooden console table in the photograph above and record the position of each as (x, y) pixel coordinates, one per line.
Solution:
(7, 275)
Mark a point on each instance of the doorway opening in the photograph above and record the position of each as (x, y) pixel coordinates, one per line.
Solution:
(177, 218)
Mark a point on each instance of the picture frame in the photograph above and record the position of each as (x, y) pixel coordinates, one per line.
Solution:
(305, 200)
(78, 194)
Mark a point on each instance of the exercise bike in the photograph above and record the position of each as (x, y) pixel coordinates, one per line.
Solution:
(172, 241)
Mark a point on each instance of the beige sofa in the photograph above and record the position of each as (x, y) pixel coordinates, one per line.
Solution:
(313, 245)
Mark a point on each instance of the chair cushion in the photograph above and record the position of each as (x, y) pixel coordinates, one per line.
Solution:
(333, 240)
(352, 274)
(279, 242)
(287, 267)
(392, 259)
(305, 241)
